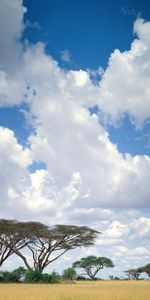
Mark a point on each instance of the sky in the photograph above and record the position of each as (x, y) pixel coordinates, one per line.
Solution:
(75, 122)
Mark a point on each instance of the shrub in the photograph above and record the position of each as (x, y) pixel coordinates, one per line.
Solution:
(9, 277)
(35, 276)
(69, 273)
(55, 278)
(1, 277)
(81, 277)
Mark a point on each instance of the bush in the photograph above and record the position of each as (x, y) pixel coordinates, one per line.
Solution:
(69, 273)
(81, 278)
(30, 276)
(20, 273)
(55, 278)
(9, 277)
(35, 276)
(12, 276)
(1, 277)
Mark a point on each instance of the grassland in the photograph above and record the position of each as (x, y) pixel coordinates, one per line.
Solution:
(102, 290)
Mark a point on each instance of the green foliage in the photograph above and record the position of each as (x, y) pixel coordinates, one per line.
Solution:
(69, 273)
(15, 276)
(35, 276)
(81, 278)
(55, 278)
(6, 277)
(92, 264)
(20, 273)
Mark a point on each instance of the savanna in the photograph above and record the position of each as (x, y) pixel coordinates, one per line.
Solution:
(103, 290)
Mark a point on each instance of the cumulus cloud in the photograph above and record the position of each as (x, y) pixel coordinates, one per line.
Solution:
(131, 254)
(124, 87)
(116, 230)
(14, 161)
(86, 176)
(70, 140)
(141, 228)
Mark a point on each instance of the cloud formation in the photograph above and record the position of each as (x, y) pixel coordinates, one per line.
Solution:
(87, 178)
(125, 84)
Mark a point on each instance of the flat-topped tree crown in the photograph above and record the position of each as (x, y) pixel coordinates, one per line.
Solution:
(134, 273)
(72, 236)
(92, 264)
(42, 241)
(58, 240)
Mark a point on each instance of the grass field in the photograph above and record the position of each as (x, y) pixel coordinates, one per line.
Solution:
(103, 290)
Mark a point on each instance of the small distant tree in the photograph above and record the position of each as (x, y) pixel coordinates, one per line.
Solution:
(92, 265)
(134, 273)
(69, 273)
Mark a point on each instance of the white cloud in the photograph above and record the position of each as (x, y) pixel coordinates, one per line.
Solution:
(69, 140)
(14, 161)
(116, 230)
(86, 175)
(141, 228)
(125, 86)
(109, 242)
(131, 254)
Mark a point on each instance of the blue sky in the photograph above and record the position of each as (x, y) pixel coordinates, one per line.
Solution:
(89, 31)
(74, 120)
(85, 28)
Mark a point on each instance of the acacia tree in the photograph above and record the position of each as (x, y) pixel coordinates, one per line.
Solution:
(52, 243)
(134, 273)
(44, 242)
(92, 265)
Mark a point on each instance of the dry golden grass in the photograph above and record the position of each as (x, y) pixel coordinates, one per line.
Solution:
(103, 290)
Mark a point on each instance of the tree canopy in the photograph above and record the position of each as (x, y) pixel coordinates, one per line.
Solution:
(42, 241)
(134, 273)
(92, 264)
